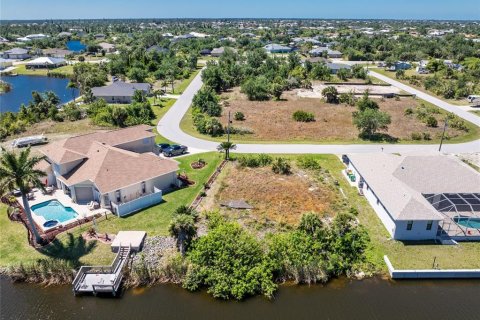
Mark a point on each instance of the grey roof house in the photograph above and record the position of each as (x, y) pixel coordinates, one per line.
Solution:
(16, 53)
(320, 52)
(119, 92)
(277, 48)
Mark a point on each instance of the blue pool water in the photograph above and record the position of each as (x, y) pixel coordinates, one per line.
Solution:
(75, 46)
(54, 210)
(469, 223)
(22, 87)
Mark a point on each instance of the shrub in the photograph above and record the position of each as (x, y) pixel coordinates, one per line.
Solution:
(254, 161)
(431, 121)
(256, 89)
(456, 122)
(240, 130)
(302, 116)
(347, 98)
(239, 116)
(308, 162)
(416, 136)
(281, 166)
(408, 111)
(426, 136)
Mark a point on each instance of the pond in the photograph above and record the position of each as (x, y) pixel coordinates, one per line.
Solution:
(76, 46)
(340, 299)
(22, 87)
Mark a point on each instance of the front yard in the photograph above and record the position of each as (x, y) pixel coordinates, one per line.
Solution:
(65, 70)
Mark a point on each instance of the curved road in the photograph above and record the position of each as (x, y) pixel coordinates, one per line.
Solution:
(169, 127)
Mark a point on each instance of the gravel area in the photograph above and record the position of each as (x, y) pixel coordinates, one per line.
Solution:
(154, 249)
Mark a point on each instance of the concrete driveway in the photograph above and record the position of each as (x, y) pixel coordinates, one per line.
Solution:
(169, 127)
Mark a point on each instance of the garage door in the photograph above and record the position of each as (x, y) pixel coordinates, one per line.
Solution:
(84, 194)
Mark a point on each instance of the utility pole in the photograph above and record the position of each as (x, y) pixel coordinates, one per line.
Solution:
(228, 137)
(443, 134)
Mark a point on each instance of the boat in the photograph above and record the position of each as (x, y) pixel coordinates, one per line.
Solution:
(29, 141)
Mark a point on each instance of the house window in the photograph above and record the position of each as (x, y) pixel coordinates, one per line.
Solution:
(429, 225)
(144, 187)
(409, 224)
(118, 196)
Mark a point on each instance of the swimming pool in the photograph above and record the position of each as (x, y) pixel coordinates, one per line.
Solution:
(468, 222)
(54, 210)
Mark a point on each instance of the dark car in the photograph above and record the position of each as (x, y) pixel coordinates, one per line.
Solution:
(163, 146)
(174, 150)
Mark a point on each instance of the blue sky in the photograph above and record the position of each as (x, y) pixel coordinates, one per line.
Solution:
(84, 9)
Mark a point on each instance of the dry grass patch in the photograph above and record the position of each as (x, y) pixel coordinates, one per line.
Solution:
(277, 199)
(272, 120)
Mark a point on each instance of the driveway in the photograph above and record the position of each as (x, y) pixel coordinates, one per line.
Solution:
(169, 127)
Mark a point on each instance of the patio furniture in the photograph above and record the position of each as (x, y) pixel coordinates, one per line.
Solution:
(93, 205)
(48, 190)
(31, 196)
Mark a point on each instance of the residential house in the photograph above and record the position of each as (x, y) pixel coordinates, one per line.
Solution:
(399, 65)
(99, 36)
(335, 67)
(205, 52)
(118, 169)
(217, 52)
(322, 51)
(64, 34)
(419, 197)
(5, 63)
(277, 48)
(16, 53)
(56, 53)
(31, 37)
(45, 62)
(119, 91)
(107, 47)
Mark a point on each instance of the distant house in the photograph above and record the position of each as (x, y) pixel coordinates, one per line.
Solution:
(16, 53)
(315, 60)
(420, 197)
(335, 67)
(217, 52)
(56, 53)
(45, 63)
(3, 40)
(277, 48)
(157, 49)
(205, 52)
(167, 35)
(118, 169)
(64, 34)
(450, 64)
(400, 65)
(99, 36)
(107, 47)
(31, 37)
(120, 92)
(321, 51)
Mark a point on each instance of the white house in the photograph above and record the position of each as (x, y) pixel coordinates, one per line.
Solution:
(46, 62)
(118, 169)
(420, 197)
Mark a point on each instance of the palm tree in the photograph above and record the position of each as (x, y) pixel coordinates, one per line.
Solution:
(331, 94)
(226, 146)
(156, 94)
(18, 171)
(184, 230)
(72, 85)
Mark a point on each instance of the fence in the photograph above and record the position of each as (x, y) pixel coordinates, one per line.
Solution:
(196, 202)
(123, 209)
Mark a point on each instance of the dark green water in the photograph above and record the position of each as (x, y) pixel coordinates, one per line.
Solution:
(340, 299)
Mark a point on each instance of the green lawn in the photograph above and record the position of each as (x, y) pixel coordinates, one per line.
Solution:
(391, 74)
(476, 112)
(21, 69)
(160, 108)
(154, 220)
(181, 86)
(187, 126)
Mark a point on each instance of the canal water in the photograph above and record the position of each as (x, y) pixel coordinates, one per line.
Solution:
(340, 299)
(76, 46)
(22, 87)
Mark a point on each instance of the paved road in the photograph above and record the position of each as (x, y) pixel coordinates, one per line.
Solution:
(169, 127)
(459, 111)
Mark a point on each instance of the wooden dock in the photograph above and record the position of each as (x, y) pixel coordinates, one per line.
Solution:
(102, 279)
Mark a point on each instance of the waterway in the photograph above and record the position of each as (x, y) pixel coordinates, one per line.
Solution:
(340, 299)
(23, 85)
(76, 46)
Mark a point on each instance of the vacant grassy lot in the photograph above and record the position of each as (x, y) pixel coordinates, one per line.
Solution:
(328, 199)
(154, 220)
(272, 122)
(21, 69)
(411, 72)
(278, 200)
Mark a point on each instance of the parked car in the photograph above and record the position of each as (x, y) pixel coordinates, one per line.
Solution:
(163, 146)
(174, 150)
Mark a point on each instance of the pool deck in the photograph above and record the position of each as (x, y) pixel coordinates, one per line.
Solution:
(82, 210)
